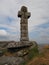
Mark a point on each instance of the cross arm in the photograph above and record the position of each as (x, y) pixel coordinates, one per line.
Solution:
(19, 13)
(28, 14)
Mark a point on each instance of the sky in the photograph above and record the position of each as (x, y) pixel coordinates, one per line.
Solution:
(38, 23)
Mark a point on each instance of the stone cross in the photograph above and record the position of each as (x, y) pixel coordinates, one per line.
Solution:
(24, 15)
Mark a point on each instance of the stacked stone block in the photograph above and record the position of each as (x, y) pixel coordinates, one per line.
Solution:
(24, 15)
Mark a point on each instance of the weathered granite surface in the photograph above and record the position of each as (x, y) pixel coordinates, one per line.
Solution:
(24, 15)
(10, 60)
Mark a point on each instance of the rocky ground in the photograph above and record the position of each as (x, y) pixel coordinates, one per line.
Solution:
(17, 58)
(10, 60)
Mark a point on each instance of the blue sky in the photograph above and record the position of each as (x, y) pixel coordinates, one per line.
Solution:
(38, 23)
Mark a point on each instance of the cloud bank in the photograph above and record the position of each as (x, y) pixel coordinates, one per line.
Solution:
(38, 24)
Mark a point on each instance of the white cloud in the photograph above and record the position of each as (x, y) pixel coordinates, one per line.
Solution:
(38, 8)
(39, 14)
(3, 33)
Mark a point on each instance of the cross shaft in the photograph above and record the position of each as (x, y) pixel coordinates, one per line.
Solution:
(24, 15)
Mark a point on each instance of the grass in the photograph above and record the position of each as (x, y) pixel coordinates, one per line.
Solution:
(33, 53)
(23, 63)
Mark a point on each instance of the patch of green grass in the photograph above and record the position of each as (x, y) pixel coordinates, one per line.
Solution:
(23, 63)
(33, 53)
(2, 51)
